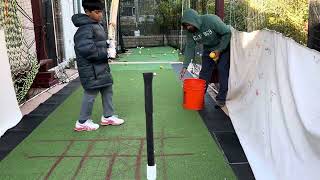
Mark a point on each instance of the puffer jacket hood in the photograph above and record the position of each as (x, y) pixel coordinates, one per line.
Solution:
(191, 16)
(82, 19)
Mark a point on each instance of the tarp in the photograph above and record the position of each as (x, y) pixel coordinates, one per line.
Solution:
(10, 114)
(273, 102)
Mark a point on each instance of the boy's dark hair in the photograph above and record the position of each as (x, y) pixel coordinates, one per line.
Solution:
(92, 5)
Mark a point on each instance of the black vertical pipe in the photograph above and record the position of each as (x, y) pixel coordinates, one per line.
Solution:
(149, 117)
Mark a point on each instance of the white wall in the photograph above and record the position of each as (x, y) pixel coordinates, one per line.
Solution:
(10, 114)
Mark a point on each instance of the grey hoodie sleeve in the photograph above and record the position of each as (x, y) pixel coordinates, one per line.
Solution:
(87, 47)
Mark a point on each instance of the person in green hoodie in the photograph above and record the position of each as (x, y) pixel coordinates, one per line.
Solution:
(215, 36)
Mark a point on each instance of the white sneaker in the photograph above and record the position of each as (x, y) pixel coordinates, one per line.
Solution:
(87, 126)
(113, 120)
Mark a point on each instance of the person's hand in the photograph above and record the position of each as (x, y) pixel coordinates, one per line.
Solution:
(214, 55)
(217, 53)
(183, 72)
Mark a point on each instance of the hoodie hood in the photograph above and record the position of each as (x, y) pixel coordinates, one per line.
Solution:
(191, 16)
(82, 19)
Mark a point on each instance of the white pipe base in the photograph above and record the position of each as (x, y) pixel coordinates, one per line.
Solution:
(151, 172)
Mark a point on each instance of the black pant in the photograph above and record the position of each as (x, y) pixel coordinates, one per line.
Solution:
(223, 67)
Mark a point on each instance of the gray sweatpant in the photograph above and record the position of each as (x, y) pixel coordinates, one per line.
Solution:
(88, 99)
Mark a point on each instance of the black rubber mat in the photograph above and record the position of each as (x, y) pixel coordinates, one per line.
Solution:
(231, 146)
(215, 119)
(30, 121)
(243, 171)
(10, 140)
(3, 153)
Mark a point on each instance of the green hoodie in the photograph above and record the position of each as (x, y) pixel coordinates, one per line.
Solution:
(211, 32)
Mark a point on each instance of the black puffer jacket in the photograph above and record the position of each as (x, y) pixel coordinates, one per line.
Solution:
(91, 50)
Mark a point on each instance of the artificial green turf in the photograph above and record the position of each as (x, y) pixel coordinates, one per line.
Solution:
(153, 54)
(176, 131)
(185, 146)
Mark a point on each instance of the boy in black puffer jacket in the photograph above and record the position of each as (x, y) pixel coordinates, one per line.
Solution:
(92, 60)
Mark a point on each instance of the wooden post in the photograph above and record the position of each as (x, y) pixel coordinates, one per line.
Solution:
(39, 29)
(220, 8)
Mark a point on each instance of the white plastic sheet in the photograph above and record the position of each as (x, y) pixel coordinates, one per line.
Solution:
(10, 113)
(67, 10)
(273, 102)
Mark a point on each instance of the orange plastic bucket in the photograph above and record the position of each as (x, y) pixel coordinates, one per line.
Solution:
(193, 93)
